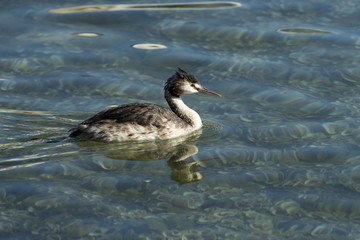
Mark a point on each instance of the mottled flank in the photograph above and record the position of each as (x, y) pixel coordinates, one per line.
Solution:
(134, 121)
(145, 121)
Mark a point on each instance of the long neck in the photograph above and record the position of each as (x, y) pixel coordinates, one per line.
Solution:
(184, 112)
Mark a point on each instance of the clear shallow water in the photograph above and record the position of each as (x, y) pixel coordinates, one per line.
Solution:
(278, 157)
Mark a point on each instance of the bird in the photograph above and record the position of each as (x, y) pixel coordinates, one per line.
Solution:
(146, 121)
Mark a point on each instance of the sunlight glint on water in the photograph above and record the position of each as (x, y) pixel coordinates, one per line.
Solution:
(278, 156)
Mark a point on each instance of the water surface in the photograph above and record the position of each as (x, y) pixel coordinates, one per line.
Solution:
(278, 157)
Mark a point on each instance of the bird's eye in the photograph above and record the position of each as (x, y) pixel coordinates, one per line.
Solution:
(193, 85)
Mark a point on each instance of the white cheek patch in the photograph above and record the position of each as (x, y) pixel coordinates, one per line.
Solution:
(187, 88)
(197, 86)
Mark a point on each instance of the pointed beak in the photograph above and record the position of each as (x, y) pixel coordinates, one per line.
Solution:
(208, 92)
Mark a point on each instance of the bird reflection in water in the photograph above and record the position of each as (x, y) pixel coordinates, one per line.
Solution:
(178, 150)
(184, 171)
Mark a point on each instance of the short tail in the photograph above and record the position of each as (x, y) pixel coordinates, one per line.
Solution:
(74, 132)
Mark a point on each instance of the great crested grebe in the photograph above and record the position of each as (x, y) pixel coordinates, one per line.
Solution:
(145, 121)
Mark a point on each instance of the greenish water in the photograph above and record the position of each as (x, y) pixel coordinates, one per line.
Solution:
(279, 154)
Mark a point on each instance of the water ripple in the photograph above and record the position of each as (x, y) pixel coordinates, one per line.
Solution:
(163, 6)
(302, 30)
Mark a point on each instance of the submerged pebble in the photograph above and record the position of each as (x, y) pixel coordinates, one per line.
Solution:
(190, 200)
(282, 161)
(148, 46)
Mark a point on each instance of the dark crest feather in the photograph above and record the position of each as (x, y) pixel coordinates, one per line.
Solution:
(184, 75)
(176, 80)
(181, 73)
